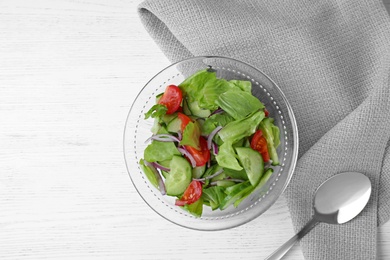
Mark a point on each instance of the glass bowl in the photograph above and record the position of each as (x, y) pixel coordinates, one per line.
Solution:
(137, 130)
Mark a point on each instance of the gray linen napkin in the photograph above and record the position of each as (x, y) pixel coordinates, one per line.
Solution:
(331, 58)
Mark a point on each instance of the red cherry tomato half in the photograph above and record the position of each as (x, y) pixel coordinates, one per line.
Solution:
(259, 143)
(184, 120)
(201, 157)
(191, 194)
(266, 113)
(171, 98)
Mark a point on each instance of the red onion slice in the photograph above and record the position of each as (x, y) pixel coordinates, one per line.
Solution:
(218, 111)
(159, 166)
(215, 148)
(211, 136)
(180, 203)
(183, 151)
(235, 180)
(161, 184)
(227, 179)
(211, 176)
(163, 138)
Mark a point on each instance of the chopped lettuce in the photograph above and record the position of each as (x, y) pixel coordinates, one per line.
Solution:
(238, 104)
(156, 111)
(191, 135)
(214, 195)
(195, 208)
(271, 134)
(160, 151)
(211, 91)
(236, 130)
(236, 174)
(244, 85)
(227, 157)
(215, 120)
(192, 87)
(205, 88)
(149, 173)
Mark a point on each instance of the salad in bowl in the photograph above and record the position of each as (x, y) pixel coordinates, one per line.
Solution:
(211, 147)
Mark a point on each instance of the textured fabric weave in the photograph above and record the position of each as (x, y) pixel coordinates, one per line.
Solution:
(331, 58)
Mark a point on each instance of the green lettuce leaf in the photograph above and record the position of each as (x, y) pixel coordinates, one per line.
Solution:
(195, 208)
(156, 111)
(236, 130)
(243, 85)
(215, 120)
(211, 91)
(214, 196)
(193, 85)
(226, 157)
(160, 151)
(149, 173)
(191, 135)
(236, 174)
(239, 104)
(205, 88)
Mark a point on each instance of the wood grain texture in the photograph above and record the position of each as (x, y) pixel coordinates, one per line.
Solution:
(69, 72)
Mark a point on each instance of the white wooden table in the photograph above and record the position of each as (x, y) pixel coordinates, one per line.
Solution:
(69, 71)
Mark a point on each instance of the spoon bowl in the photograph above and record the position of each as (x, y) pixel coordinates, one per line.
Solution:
(341, 198)
(337, 200)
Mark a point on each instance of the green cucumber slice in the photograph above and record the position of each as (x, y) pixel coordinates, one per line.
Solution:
(235, 192)
(197, 111)
(179, 176)
(252, 162)
(186, 109)
(197, 172)
(174, 125)
(267, 174)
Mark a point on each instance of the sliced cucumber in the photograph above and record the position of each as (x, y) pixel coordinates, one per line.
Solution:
(197, 172)
(186, 109)
(179, 176)
(174, 125)
(168, 118)
(252, 162)
(234, 193)
(197, 111)
(271, 134)
(267, 174)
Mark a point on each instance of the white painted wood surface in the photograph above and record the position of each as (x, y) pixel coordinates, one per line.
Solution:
(69, 71)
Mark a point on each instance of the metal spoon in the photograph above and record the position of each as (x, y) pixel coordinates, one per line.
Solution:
(337, 200)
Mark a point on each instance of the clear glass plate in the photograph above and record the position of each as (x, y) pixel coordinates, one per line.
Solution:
(137, 130)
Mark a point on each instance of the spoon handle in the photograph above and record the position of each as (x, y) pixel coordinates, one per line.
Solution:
(281, 251)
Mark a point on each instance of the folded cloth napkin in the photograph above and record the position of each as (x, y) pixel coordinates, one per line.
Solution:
(331, 58)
